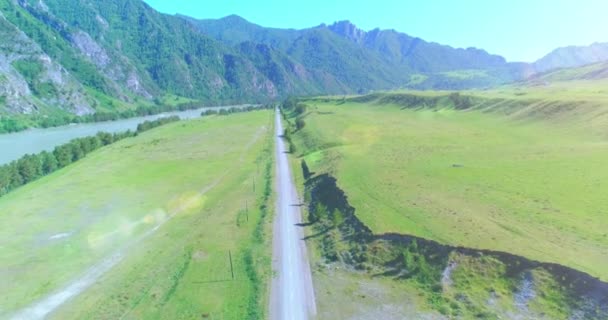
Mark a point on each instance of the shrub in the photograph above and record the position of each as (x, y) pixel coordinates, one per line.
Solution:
(300, 123)
(300, 108)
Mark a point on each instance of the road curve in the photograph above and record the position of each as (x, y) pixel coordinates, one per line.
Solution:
(292, 295)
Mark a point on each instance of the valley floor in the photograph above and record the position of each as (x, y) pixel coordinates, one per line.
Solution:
(467, 178)
(455, 211)
(146, 228)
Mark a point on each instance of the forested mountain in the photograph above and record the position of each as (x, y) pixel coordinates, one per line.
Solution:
(86, 56)
(362, 60)
(77, 55)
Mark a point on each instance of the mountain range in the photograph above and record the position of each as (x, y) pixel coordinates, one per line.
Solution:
(85, 56)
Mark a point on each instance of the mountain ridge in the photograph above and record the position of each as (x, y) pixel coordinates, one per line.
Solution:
(89, 56)
(405, 55)
(573, 56)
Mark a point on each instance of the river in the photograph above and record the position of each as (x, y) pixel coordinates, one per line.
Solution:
(15, 145)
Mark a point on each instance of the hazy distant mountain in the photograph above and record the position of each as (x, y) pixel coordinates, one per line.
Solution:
(573, 56)
(234, 30)
(83, 56)
(596, 71)
(416, 53)
(398, 59)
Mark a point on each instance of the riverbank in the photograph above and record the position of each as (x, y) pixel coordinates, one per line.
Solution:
(35, 140)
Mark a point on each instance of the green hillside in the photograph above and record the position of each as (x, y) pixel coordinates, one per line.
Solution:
(596, 71)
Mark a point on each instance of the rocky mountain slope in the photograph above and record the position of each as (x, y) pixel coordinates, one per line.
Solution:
(30, 78)
(74, 57)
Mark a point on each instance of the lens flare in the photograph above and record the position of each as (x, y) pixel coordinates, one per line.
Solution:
(185, 203)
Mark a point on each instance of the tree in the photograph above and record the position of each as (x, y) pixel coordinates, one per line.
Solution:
(337, 218)
(143, 126)
(29, 168)
(76, 151)
(16, 180)
(105, 138)
(63, 155)
(11, 125)
(289, 103)
(209, 112)
(300, 123)
(49, 162)
(37, 162)
(301, 108)
(89, 144)
(460, 102)
(5, 180)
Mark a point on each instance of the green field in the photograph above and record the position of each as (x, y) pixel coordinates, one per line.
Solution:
(596, 71)
(481, 178)
(170, 204)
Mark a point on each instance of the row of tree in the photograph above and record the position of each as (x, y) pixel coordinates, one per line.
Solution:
(8, 125)
(12, 124)
(147, 125)
(34, 166)
(140, 111)
(294, 106)
(232, 110)
(287, 108)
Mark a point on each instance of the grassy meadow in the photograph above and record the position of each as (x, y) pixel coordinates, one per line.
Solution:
(167, 207)
(481, 178)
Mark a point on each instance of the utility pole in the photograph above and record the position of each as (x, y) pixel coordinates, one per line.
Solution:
(231, 268)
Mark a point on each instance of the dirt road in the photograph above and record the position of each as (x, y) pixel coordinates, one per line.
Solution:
(292, 294)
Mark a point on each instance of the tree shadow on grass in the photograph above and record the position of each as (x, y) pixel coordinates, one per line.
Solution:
(305, 224)
(318, 234)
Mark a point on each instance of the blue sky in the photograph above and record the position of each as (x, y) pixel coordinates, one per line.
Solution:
(519, 30)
